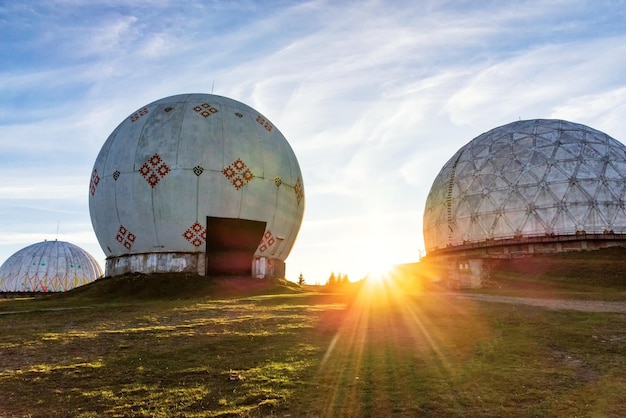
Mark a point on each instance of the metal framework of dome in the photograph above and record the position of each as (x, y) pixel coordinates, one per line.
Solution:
(48, 266)
(532, 178)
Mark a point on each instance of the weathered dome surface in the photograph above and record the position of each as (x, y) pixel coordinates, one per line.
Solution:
(528, 178)
(49, 266)
(179, 160)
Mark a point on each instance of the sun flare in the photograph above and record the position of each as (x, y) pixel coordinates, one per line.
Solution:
(379, 272)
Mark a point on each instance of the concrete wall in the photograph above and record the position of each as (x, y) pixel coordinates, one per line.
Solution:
(261, 268)
(156, 263)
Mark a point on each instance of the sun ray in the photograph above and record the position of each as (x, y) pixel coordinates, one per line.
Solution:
(386, 318)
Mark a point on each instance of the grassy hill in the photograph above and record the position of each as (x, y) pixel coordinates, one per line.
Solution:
(179, 286)
(600, 267)
(163, 346)
(601, 272)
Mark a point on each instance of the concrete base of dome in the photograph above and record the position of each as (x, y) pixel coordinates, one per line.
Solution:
(178, 262)
(468, 265)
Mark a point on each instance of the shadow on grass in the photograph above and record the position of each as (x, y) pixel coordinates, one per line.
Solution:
(149, 361)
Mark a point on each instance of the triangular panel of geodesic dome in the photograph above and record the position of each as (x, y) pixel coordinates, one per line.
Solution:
(547, 214)
(485, 204)
(527, 178)
(563, 222)
(480, 151)
(464, 168)
(499, 164)
(453, 235)
(538, 159)
(619, 167)
(611, 172)
(534, 224)
(616, 152)
(476, 232)
(476, 185)
(461, 185)
(499, 183)
(511, 176)
(568, 167)
(619, 220)
(589, 187)
(458, 207)
(528, 193)
(604, 193)
(555, 174)
(575, 194)
(589, 170)
(501, 228)
(514, 201)
(594, 222)
(590, 151)
(516, 218)
(609, 212)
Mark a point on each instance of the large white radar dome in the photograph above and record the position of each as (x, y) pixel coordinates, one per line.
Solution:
(196, 183)
(532, 178)
(49, 266)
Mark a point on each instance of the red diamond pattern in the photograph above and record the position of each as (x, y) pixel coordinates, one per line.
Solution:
(95, 179)
(267, 241)
(195, 234)
(46, 284)
(138, 114)
(125, 237)
(154, 170)
(205, 110)
(264, 123)
(39, 284)
(238, 174)
(299, 190)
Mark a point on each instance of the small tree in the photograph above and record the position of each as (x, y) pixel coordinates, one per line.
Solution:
(301, 279)
(332, 281)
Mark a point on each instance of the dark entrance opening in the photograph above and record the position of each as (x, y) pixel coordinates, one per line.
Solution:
(231, 244)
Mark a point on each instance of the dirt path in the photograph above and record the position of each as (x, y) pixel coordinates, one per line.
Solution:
(567, 304)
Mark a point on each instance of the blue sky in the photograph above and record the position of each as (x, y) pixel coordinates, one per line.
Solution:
(373, 96)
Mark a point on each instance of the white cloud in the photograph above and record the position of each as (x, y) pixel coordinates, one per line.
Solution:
(605, 111)
(112, 35)
(42, 188)
(532, 83)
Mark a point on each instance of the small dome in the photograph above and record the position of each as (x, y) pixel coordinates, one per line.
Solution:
(526, 179)
(179, 169)
(49, 266)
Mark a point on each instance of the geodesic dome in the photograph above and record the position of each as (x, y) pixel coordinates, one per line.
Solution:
(49, 266)
(526, 179)
(173, 174)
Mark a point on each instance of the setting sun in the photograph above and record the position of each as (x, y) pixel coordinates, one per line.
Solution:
(379, 272)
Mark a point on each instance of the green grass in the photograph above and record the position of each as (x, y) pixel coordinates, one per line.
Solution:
(596, 274)
(367, 352)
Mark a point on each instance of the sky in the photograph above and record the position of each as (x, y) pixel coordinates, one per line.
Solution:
(373, 96)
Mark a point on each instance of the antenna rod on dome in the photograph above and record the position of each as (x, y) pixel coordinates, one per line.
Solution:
(212, 85)
(58, 224)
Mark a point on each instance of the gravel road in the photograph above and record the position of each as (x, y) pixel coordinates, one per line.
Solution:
(556, 304)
